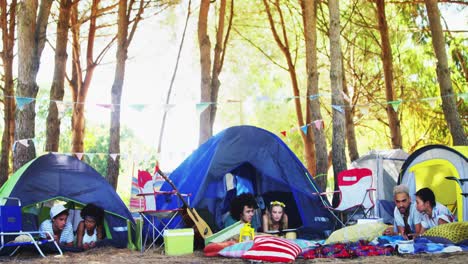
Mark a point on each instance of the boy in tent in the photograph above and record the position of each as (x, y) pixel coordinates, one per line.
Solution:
(58, 226)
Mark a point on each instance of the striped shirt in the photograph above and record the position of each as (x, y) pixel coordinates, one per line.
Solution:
(67, 232)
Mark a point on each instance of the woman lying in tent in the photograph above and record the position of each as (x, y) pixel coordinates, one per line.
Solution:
(433, 213)
(275, 220)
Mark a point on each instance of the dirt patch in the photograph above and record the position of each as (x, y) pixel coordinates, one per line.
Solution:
(112, 255)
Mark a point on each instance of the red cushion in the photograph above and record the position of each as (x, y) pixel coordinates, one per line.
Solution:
(212, 249)
(273, 249)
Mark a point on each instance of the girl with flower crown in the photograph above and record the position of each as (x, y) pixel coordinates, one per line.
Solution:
(274, 218)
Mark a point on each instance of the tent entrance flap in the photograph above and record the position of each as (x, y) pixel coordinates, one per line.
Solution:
(431, 174)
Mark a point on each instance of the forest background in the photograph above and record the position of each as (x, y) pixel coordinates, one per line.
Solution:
(274, 64)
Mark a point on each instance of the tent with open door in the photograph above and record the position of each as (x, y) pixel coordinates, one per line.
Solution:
(385, 166)
(250, 159)
(430, 165)
(61, 177)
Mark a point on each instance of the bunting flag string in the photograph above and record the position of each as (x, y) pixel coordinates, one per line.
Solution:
(62, 106)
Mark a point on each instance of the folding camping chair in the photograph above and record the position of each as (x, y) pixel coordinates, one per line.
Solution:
(355, 187)
(11, 225)
(153, 215)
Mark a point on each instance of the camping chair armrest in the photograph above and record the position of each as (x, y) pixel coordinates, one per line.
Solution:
(371, 189)
(325, 193)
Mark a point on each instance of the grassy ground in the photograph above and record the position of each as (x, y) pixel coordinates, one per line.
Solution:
(112, 255)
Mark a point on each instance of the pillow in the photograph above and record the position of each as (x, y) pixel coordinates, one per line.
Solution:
(236, 250)
(212, 249)
(354, 233)
(304, 244)
(272, 249)
(455, 232)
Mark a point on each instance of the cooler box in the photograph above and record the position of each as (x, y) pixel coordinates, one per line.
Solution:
(178, 241)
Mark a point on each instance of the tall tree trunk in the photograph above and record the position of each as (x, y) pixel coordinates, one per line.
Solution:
(350, 128)
(80, 85)
(114, 133)
(443, 76)
(57, 89)
(205, 65)
(309, 17)
(387, 60)
(336, 80)
(283, 44)
(31, 39)
(210, 82)
(7, 25)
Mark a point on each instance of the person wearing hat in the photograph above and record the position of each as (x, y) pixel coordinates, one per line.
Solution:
(58, 226)
(90, 230)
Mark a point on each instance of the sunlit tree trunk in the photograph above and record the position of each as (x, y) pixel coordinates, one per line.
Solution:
(387, 60)
(336, 80)
(124, 39)
(309, 16)
(443, 76)
(283, 44)
(60, 67)
(210, 81)
(349, 116)
(31, 41)
(205, 65)
(7, 25)
(79, 84)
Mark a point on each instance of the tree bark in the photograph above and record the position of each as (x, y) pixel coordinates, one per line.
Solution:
(116, 96)
(309, 17)
(31, 39)
(349, 116)
(443, 76)
(57, 89)
(387, 60)
(283, 44)
(80, 85)
(336, 79)
(7, 24)
(205, 65)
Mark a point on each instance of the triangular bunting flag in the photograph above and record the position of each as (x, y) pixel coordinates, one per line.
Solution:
(318, 124)
(288, 99)
(463, 96)
(24, 142)
(113, 156)
(262, 98)
(304, 129)
(106, 106)
(283, 133)
(79, 155)
(346, 97)
(364, 109)
(22, 101)
(201, 107)
(314, 96)
(432, 101)
(338, 108)
(395, 104)
(138, 107)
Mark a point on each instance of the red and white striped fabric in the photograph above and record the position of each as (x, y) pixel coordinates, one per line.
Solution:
(273, 249)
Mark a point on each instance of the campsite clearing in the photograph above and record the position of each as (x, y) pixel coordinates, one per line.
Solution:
(113, 255)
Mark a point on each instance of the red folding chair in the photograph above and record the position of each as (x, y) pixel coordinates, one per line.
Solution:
(156, 219)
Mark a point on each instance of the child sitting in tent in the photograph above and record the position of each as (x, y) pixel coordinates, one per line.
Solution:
(433, 213)
(58, 226)
(90, 229)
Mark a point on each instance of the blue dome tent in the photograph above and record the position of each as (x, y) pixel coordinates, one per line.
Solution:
(61, 177)
(250, 159)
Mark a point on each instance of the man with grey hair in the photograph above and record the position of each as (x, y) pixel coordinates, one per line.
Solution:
(407, 219)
